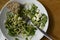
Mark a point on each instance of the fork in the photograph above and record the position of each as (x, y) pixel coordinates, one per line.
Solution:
(45, 34)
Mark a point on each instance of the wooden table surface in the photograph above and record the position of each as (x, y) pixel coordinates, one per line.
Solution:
(53, 9)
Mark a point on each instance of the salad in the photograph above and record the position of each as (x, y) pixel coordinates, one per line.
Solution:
(18, 15)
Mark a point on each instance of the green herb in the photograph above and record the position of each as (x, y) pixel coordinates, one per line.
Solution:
(26, 38)
(16, 39)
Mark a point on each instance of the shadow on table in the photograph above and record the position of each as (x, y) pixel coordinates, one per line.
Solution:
(51, 25)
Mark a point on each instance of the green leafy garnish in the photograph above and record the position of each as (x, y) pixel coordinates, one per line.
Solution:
(16, 39)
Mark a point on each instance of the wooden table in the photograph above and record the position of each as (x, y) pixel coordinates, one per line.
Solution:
(53, 8)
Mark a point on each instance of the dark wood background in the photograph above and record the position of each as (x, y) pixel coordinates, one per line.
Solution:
(53, 9)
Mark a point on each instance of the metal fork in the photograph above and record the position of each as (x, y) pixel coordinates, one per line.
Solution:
(45, 34)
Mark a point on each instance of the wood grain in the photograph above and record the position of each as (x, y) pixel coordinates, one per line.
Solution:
(53, 9)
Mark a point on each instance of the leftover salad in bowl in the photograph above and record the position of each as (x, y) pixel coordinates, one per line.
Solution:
(16, 20)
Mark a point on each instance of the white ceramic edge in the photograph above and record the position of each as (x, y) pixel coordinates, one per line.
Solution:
(47, 16)
(36, 0)
(47, 19)
(1, 34)
(3, 37)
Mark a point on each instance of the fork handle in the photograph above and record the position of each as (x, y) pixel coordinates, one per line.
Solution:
(45, 34)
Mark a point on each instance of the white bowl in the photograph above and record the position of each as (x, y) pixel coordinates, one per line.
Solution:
(38, 35)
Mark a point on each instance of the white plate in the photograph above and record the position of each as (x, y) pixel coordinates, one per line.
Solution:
(38, 35)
